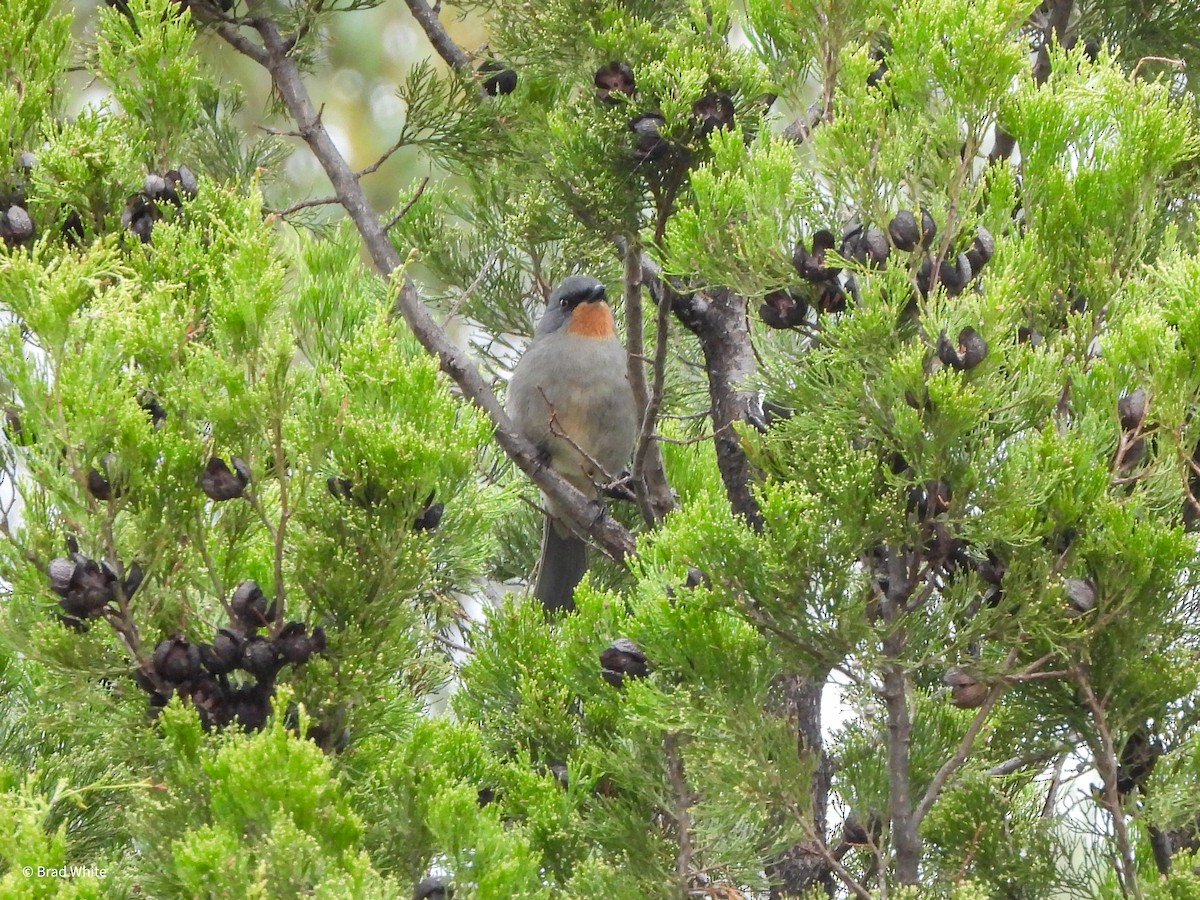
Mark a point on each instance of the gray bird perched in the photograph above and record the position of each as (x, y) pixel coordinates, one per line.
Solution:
(570, 393)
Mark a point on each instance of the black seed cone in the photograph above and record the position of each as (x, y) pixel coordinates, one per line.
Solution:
(84, 586)
(614, 79)
(295, 645)
(1081, 595)
(501, 79)
(904, 232)
(61, 571)
(865, 244)
(223, 654)
(811, 263)
(251, 707)
(930, 499)
(970, 351)
(783, 309)
(99, 482)
(430, 516)
(176, 660)
(188, 183)
(1131, 409)
(259, 658)
(650, 144)
(620, 659)
(212, 702)
(249, 607)
(1138, 758)
(928, 228)
(154, 186)
(713, 111)
(17, 225)
(983, 248)
(220, 484)
(433, 888)
(157, 414)
(133, 580)
(955, 274)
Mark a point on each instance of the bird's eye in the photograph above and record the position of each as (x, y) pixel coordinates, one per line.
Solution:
(563, 303)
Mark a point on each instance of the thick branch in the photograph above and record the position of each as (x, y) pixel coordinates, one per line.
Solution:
(453, 54)
(648, 468)
(905, 838)
(718, 319)
(635, 351)
(683, 801)
(589, 514)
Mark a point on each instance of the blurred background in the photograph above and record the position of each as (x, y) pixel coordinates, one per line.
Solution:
(367, 56)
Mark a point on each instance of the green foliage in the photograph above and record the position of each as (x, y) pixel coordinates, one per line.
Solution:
(33, 852)
(1092, 189)
(746, 203)
(144, 53)
(33, 50)
(256, 815)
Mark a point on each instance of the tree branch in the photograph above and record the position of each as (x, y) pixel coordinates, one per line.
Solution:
(1106, 764)
(905, 837)
(635, 354)
(950, 766)
(394, 220)
(1017, 763)
(649, 474)
(453, 54)
(683, 800)
(304, 204)
(799, 131)
(718, 319)
(241, 43)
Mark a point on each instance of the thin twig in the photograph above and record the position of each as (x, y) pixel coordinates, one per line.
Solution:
(963, 751)
(280, 531)
(1052, 792)
(391, 223)
(470, 288)
(1106, 764)
(280, 132)
(374, 167)
(1170, 61)
(558, 431)
(304, 204)
(1017, 763)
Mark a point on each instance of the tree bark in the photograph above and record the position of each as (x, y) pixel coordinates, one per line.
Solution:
(718, 319)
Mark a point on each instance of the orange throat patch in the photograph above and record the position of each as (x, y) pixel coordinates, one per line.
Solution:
(591, 320)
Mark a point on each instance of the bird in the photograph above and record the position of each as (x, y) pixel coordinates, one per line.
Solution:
(570, 397)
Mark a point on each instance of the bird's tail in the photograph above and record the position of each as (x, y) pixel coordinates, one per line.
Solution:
(564, 561)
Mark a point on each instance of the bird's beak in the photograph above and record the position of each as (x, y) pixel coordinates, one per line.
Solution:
(597, 294)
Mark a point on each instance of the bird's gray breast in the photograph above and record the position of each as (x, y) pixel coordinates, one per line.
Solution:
(577, 386)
